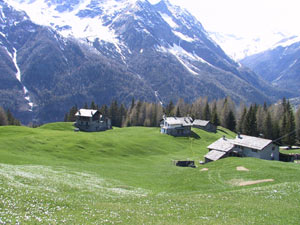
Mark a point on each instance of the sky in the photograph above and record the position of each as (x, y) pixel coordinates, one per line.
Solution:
(245, 17)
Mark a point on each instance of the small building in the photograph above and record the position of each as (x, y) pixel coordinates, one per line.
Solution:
(91, 121)
(205, 125)
(176, 126)
(243, 146)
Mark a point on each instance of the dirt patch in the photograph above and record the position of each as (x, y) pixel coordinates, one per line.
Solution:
(246, 183)
(204, 169)
(241, 168)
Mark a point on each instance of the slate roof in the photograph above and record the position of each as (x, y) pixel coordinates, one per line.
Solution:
(184, 121)
(201, 123)
(251, 142)
(222, 144)
(214, 155)
(226, 145)
(86, 112)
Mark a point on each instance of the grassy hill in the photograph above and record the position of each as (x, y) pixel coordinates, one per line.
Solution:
(53, 175)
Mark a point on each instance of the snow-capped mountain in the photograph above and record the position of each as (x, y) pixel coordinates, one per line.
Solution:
(239, 47)
(279, 65)
(59, 53)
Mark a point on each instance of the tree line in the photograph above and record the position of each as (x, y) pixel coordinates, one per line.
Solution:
(267, 121)
(7, 118)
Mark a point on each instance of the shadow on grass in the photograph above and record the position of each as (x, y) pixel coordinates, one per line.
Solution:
(194, 135)
(224, 131)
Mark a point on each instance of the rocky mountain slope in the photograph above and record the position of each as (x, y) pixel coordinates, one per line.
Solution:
(279, 65)
(55, 54)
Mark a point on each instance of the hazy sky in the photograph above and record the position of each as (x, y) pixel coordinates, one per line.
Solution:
(245, 17)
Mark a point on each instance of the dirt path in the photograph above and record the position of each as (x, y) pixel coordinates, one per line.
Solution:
(241, 168)
(246, 183)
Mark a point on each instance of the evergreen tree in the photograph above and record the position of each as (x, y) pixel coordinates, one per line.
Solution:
(230, 121)
(72, 112)
(288, 126)
(206, 112)
(178, 114)
(240, 126)
(132, 104)
(114, 113)
(104, 110)
(123, 113)
(94, 106)
(169, 109)
(268, 127)
(214, 116)
(250, 126)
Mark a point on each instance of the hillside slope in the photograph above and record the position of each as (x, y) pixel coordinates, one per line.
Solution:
(52, 174)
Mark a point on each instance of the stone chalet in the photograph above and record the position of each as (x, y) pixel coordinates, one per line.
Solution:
(242, 146)
(91, 121)
(204, 125)
(176, 126)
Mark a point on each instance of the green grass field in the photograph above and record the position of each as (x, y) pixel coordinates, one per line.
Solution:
(53, 175)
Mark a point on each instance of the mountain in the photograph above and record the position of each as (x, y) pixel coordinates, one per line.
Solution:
(240, 47)
(279, 65)
(55, 54)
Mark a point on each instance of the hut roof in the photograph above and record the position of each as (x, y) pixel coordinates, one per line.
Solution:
(184, 121)
(86, 112)
(214, 155)
(201, 123)
(251, 142)
(222, 144)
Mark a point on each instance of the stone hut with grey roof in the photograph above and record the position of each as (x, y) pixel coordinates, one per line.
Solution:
(176, 126)
(91, 121)
(204, 125)
(242, 146)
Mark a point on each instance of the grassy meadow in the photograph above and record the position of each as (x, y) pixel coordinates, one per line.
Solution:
(53, 175)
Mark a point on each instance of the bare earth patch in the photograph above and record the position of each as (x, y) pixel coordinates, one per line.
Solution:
(204, 169)
(246, 183)
(241, 168)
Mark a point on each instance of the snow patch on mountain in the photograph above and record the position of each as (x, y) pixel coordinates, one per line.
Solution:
(18, 76)
(169, 20)
(239, 47)
(68, 23)
(287, 42)
(183, 37)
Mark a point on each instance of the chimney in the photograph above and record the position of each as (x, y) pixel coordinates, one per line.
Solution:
(239, 135)
(224, 138)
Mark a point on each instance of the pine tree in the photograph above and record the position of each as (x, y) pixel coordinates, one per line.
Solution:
(240, 126)
(214, 116)
(206, 112)
(288, 126)
(249, 124)
(169, 109)
(114, 113)
(268, 127)
(71, 115)
(86, 106)
(230, 121)
(123, 113)
(94, 106)
(178, 114)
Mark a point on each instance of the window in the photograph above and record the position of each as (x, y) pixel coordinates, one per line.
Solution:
(254, 150)
(273, 148)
